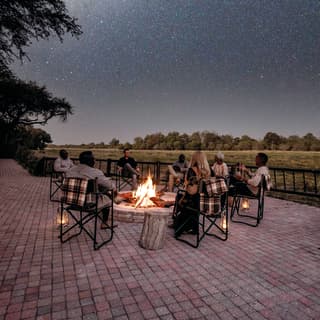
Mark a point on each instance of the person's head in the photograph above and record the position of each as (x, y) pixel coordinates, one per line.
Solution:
(261, 159)
(199, 160)
(86, 157)
(182, 158)
(126, 152)
(219, 157)
(63, 154)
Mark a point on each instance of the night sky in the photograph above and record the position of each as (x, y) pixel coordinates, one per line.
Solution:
(145, 66)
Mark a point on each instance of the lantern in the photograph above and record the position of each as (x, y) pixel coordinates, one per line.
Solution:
(62, 219)
(245, 204)
(223, 221)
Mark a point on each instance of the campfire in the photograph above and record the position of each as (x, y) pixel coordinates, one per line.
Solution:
(144, 193)
(146, 196)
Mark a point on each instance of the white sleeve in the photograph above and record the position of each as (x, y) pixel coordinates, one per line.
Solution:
(57, 165)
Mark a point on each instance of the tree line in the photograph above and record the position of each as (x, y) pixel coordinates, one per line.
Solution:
(209, 140)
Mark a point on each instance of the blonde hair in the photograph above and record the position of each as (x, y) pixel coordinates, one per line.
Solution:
(199, 160)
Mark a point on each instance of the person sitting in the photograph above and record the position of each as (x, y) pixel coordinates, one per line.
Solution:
(128, 168)
(241, 184)
(220, 168)
(199, 169)
(63, 163)
(177, 171)
(86, 170)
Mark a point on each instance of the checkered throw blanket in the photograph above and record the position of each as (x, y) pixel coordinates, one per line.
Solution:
(210, 205)
(215, 186)
(74, 191)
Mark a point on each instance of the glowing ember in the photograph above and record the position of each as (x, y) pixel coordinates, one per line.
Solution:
(143, 194)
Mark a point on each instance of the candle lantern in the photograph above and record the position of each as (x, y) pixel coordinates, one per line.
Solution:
(62, 219)
(223, 221)
(245, 204)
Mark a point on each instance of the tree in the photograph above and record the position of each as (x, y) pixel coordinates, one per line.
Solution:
(23, 20)
(272, 140)
(35, 138)
(25, 104)
(114, 143)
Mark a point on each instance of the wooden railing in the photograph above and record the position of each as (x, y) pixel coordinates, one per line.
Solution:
(303, 182)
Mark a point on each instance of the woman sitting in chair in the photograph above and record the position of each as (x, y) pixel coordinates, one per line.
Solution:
(199, 169)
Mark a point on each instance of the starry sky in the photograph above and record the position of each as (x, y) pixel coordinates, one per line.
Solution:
(239, 67)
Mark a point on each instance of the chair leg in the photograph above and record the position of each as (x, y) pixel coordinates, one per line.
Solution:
(96, 245)
(235, 208)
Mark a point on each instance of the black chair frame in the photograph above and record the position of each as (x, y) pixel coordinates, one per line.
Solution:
(245, 218)
(205, 221)
(56, 180)
(82, 215)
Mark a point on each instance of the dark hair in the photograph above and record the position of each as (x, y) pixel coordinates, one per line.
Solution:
(62, 152)
(126, 149)
(86, 157)
(182, 158)
(263, 157)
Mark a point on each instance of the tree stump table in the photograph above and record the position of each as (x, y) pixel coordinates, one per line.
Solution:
(154, 229)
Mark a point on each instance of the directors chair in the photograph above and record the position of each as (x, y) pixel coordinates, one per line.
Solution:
(84, 205)
(245, 218)
(208, 213)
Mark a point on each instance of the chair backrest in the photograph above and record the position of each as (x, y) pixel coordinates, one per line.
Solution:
(210, 192)
(264, 185)
(75, 191)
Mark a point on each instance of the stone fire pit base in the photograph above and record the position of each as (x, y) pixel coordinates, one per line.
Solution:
(126, 213)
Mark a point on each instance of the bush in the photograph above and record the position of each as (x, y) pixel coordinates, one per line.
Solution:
(29, 161)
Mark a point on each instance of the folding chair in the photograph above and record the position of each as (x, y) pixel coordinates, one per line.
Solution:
(80, 200)
(244, 218)
(123, 181)
(208, 214)
(56, 180)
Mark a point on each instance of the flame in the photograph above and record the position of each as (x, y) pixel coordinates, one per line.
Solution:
(245, 204)
(143, 194)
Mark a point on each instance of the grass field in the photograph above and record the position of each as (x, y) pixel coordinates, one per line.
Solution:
(289, 159)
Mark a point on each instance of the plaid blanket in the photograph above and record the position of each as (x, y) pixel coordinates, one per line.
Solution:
(210, 205)
(74, 191)
(215, 186)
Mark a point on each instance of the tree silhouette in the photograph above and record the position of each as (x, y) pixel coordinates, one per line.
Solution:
(24, 20)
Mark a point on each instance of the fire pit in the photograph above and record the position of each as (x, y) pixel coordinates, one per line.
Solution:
(150, 207)
(134, 204)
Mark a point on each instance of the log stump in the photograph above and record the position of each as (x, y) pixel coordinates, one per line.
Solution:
(154, 229)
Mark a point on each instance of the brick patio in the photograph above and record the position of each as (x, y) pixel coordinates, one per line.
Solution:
(269, 272)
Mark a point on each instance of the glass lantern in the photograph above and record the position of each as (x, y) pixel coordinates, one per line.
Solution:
(62, 220)
(245, 205)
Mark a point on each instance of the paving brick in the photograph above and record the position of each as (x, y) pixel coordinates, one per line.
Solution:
(268, 272)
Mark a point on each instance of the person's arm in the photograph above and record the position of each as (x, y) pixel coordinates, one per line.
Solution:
(57, 166)
(225, 170)
(105, 182)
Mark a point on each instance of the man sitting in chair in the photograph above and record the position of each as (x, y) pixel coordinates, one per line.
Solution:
(249, 186)
(63, 163)
(128, 168)
(177, 171)
(86, 170)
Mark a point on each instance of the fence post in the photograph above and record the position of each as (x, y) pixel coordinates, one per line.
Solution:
(108, 169)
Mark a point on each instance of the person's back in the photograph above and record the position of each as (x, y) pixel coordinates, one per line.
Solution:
(86, 170)
(198, 170)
